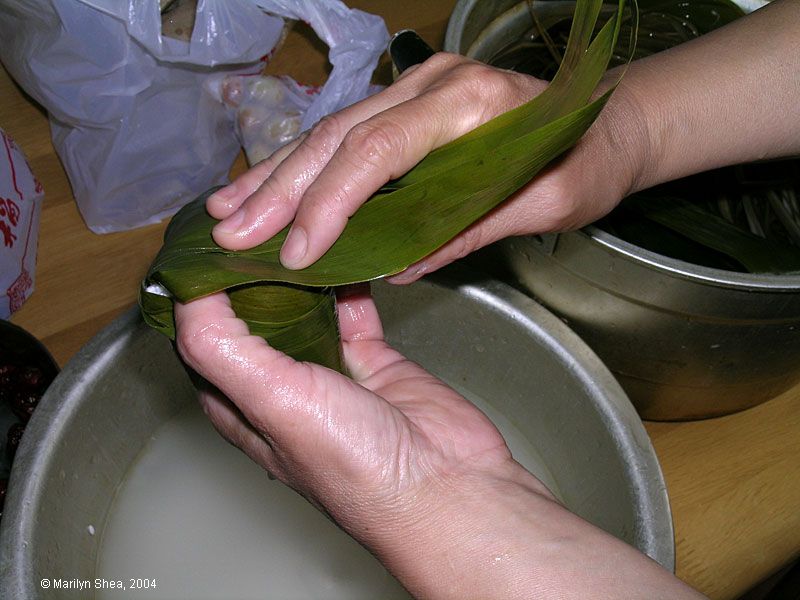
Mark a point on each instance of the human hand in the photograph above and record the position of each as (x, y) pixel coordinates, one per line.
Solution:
(385, 438)
(695, 107)
(322, 179)
(378, 453)
(404, 464)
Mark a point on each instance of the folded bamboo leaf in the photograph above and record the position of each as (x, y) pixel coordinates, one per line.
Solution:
(387, 234)
(403, 222)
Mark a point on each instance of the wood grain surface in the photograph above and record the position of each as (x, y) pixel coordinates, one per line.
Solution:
(734, 482)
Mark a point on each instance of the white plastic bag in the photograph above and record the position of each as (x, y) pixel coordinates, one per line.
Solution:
(21, 198)
(356, 40)
(136, 135)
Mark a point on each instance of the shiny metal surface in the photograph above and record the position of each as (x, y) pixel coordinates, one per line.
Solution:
(484, 338)
(479, 29)
(683, 345)
(684, 341)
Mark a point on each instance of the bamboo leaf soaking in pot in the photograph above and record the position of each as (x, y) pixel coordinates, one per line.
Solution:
(695, 307)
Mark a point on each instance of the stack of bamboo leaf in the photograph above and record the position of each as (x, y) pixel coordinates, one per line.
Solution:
(403, 222)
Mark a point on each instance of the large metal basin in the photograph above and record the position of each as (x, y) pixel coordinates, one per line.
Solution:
(684, 341)
(485, 338)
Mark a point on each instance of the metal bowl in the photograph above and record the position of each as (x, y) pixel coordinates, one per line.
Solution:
(685, 341)
(485, 338)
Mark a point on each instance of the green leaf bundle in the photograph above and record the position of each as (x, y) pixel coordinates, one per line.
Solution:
(406, 220)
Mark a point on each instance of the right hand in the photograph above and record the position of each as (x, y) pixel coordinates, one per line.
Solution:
(695, 107)
(320, 180)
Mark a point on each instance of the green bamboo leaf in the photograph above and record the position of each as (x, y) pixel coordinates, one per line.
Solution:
(405, 221)
(386, 235)
(570, 89)
(756, 254)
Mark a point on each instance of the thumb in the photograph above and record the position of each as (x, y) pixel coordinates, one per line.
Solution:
(302, 409)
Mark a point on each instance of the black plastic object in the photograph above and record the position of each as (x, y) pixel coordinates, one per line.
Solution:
(408, 49)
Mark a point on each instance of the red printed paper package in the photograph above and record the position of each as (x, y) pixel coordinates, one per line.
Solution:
(21, 197)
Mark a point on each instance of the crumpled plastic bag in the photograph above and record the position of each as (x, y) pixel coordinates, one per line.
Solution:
(137, 136)
(21, 197)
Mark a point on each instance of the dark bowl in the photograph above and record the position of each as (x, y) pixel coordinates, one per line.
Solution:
(20, 348)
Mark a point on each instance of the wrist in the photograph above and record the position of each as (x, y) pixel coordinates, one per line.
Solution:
(467, 536)
(626, 127)
(702, 104)
(608, 163)
(502, 535)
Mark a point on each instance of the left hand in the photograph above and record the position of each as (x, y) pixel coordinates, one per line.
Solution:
(381, 442)
(405, 465)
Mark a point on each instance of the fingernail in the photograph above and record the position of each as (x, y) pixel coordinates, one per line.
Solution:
(412, 273)
(231, 224)
(223, 194)
(294, 248)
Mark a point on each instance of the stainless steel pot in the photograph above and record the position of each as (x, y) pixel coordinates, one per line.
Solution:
(485, 338)
(684, 341)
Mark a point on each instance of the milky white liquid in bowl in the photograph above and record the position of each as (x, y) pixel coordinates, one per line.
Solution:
(204, 522)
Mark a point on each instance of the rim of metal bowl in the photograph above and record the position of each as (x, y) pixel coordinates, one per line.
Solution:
(656, 537)
(462, 9)
(54, 415)
(789, 282)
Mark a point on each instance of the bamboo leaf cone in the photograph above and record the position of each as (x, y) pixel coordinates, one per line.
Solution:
(409, 218)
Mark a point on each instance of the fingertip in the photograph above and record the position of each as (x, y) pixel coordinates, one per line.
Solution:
(218, 345)
(230, 233)
(401, 278)
(200, 325)
(252, 224)
(232, 223)
(193, 308)
(358, 316)
(411, 273)
(192, 317)
(221, 239)
(223, 202)
(312, 234)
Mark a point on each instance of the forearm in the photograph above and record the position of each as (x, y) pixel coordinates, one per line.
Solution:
(728, 97)
(502, 538)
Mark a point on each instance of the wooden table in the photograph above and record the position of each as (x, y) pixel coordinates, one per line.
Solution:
(734, 482)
